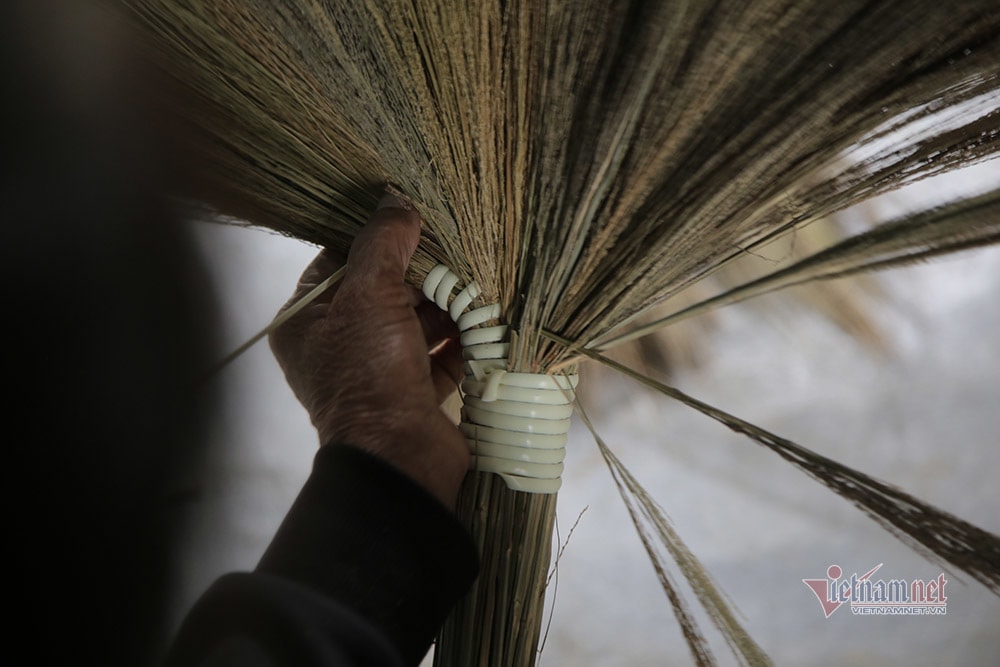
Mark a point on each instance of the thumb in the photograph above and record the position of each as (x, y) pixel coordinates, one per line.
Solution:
(382, 250)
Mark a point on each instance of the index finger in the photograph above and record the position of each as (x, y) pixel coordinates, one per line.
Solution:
(382, 250)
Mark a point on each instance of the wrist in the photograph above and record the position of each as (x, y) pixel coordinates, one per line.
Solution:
(432, 451)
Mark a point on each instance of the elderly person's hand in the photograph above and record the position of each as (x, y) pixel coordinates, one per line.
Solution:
(372, 360)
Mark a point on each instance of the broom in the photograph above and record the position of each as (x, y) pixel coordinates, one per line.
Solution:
(580, 161)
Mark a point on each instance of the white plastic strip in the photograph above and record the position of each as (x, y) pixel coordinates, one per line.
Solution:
(479, 434)
(507, 392)
(477, 316)
(463, 300)
(516, 424)
(519, 453)
(487, 351)
(534, 411)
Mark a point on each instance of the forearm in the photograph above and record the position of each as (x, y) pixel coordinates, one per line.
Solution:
(366, 560)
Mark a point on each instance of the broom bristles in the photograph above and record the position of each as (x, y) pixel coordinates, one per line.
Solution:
(580, 159)
(935, 533)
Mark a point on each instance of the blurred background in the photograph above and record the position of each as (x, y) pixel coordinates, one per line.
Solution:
(921, 412)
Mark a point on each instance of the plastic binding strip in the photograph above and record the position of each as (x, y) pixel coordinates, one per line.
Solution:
(516, 424)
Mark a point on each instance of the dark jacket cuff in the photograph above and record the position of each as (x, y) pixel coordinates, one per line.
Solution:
(365, 534)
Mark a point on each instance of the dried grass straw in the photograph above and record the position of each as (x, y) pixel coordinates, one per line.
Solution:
(583, 160)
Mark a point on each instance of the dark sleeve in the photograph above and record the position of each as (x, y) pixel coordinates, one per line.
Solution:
(363, 571)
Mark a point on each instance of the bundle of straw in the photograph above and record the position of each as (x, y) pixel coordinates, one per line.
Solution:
(583, 160)
(684, 344)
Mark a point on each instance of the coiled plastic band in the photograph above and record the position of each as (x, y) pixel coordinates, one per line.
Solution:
(516, 424)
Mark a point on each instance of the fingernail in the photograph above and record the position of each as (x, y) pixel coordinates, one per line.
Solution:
(390, 200)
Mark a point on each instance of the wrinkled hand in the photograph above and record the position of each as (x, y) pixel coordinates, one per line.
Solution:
(359, 358)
